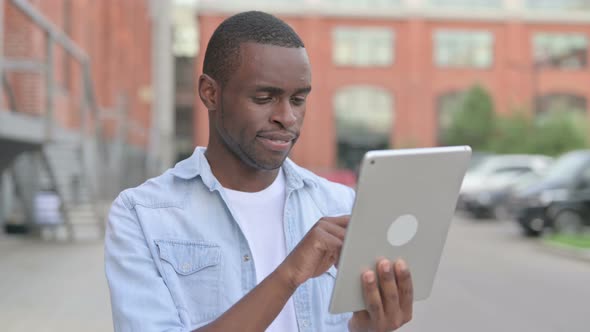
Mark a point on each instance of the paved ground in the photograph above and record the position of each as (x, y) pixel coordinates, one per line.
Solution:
(490, 279)
(52, 287)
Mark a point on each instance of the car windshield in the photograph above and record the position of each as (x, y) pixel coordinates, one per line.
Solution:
(566, 167)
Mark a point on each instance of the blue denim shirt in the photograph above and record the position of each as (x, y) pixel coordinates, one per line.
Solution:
(176, 258)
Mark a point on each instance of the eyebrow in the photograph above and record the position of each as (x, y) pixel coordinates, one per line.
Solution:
(307, 89)
(278, 91)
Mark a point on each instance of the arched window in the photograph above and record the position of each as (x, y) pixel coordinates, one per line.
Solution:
(447, 104)
(364, 121)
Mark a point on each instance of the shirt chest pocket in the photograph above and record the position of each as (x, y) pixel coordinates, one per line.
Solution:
(192, 272)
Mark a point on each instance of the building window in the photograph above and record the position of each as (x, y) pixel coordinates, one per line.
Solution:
(463, 48)
(560, 50)
(558, 4)
(560, 102)
(251, 2)
(447, 105)
(485, 4)
(367, 4)
(366, 46)
(364, 121)
(360, 4)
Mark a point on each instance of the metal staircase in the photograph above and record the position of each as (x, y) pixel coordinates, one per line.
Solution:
(82, 210)
(71, 161)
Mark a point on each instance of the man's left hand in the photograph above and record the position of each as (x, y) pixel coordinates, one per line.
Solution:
(389, 301)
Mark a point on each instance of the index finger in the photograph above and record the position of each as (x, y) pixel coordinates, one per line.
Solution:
(405, 289)
(341, 221)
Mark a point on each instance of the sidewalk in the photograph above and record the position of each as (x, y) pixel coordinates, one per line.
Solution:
(565, 250)
(52, 286)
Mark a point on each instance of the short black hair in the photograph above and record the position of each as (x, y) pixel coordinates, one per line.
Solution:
(223, 50)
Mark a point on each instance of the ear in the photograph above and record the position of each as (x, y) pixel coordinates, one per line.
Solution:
(208, 91)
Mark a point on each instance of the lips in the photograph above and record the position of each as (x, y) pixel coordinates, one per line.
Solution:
(277, 141)
(278, 136)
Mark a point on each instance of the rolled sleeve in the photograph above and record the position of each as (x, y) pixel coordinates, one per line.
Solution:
(140, 299)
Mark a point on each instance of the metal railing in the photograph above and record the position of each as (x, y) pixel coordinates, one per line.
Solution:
(54, 36)
(88, 111)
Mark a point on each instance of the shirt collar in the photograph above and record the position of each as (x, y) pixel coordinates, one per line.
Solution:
(197, 165)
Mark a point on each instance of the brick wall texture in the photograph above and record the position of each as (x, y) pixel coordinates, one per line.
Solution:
(413, 80)
(116, 35)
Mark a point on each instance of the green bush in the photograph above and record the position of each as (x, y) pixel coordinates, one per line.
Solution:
(512, 134)
(559, 132)
(476, 124)
(551, 134)
(473, 122)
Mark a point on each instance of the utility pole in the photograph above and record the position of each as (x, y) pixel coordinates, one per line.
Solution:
(161, 139)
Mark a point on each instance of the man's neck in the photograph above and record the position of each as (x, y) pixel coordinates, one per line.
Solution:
(234, 174)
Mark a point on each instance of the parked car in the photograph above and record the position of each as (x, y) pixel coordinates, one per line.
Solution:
(487, 185)
(560, 200)
(477, 158)
(571, 215)
(495, 201)
(504, 199)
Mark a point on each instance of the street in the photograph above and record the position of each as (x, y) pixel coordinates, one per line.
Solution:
(490, 279)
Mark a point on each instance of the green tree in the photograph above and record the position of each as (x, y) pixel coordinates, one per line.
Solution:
(512, 133)
(551, 134)
(559, 132)
(473, 123)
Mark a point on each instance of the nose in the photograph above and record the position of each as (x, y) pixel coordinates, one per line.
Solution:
(284, 114)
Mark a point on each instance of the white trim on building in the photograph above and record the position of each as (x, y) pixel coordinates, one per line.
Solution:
(405, 9)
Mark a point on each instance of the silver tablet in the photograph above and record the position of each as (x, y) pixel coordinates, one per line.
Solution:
(404, 205)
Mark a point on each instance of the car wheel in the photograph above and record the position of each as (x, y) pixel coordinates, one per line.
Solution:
(532, 228)
(567, 222)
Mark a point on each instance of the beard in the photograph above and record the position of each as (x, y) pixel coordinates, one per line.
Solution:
(249, 150)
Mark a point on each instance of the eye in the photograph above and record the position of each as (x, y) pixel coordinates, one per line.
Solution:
(298, 101)
(262, 100)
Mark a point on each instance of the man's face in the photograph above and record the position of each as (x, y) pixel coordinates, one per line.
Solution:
(262, 105)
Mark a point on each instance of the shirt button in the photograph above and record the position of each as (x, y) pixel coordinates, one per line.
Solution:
(246, 258)
(305, 323)
(186, 267)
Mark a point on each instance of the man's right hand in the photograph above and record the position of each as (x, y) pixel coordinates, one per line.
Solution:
(316, 252)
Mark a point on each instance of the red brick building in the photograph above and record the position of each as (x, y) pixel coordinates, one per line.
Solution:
(77, 108)
(400, 64)
(116, 37)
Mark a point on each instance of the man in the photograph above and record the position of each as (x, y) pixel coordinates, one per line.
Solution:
(237, 237)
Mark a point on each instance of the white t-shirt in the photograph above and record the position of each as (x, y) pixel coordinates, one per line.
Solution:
(260, 216)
